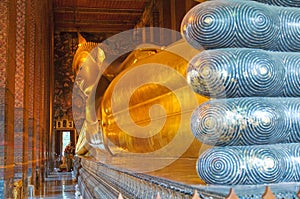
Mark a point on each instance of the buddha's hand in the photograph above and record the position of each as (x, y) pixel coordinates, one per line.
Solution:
(93, 134)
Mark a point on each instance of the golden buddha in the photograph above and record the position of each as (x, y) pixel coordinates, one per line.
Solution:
(147, 104)
(87, 63)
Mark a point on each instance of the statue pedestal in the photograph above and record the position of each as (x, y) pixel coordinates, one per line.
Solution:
(106, 178)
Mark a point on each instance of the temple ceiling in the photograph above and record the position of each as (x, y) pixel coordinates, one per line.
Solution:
(105, 16)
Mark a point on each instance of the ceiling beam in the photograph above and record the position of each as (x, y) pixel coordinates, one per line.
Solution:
(89, 28)
(97, 22)
(71, 10)
(127, 0)
(97, 26)
(57, 1)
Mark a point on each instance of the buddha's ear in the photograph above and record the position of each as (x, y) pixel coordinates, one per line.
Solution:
(81, 39)
(99, 55)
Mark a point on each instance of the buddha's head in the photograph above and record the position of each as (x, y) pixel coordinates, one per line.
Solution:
(87, 64)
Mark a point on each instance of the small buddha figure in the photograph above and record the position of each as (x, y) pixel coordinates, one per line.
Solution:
(68, 156)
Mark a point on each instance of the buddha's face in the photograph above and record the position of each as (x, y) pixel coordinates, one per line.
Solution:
(88, 70)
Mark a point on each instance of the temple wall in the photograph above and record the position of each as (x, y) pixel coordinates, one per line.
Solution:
(24, 86)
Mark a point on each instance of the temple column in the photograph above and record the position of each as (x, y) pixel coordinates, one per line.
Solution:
(43, 64)
(171, 13)
(36, 109)
(7, 91)
(32, 92)
(21, 101)
(30, 45)
(47, 31)
(24, 107)
(39, 91)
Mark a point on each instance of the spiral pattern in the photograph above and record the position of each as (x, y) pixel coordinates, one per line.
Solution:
(207, 23)
(207, 76)
(259, 134)
(247, 121)
(250, 164)
(208, 127)
(287, 3)
(245, 72)
(294, 113)
(260, 73)
(289, 39)
(295, 151)
(291, 60)
(256, 25)
(217, 165)
(267, 164)
(242, 24)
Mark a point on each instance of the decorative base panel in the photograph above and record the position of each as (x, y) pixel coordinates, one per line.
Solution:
(99, 180)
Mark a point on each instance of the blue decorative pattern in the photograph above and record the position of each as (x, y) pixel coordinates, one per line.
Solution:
(258, 125)
(242, 72)
(286, 3)
(250, 164)
(219, 24)
(247, 121)
(2, 188)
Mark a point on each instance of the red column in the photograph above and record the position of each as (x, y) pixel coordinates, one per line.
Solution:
(21, 89)
(7, 91)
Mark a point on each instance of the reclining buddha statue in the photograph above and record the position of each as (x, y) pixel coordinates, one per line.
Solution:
(140, 105)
